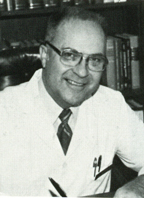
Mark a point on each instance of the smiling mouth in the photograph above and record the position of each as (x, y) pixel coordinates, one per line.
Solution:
(75, 83)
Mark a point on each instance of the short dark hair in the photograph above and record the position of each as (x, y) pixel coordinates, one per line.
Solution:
(65, 14)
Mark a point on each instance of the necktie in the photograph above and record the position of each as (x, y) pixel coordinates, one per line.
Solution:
(64, 131)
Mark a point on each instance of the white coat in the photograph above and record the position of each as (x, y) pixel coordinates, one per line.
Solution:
(30, 151)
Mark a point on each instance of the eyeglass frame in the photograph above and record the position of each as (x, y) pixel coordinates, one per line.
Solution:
(59, 52)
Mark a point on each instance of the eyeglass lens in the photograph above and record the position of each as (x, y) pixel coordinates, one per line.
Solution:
(94, 62)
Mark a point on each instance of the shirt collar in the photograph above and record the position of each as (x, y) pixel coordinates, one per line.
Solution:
(52, 108)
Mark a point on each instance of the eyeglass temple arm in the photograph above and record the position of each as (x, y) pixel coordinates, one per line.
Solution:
(53, 47)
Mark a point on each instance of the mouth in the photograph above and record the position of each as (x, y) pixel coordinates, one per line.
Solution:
(74, 83)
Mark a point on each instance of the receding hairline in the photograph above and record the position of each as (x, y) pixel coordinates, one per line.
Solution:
(69, 14)
(73, 25)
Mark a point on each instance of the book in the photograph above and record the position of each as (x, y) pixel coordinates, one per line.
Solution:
(34, 4)
(111, 69)
(135, 64)
(119, 1)
(108, 1)
(118, 63)
(121, 66)
(2, 5)
(20, 4)
(9, 5)
(126, 59)
(48, 3)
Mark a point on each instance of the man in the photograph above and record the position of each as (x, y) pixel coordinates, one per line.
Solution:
(38, 142)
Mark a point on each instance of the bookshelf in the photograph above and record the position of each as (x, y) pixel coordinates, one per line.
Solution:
(124, 17)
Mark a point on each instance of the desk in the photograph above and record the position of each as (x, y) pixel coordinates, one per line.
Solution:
(110, 195)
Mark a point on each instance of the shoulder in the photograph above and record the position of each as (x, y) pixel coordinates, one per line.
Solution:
(11, 103)
(20, 93)
(20, 97)
(108, 96)
(12, 94)
(106, 102)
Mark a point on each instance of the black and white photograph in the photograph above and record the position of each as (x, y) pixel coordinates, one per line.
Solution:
(72, 98)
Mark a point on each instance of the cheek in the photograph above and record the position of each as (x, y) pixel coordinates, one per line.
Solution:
(54, 73)
(52, 69)
(95, 79)
(55, 66)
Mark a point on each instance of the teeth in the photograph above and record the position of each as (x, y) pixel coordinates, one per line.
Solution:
(75, 83)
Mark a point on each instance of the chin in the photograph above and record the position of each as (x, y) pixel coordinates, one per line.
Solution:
(77, 103)
(72, 101)
(69, 103)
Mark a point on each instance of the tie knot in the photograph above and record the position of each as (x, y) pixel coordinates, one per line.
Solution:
(65, 115)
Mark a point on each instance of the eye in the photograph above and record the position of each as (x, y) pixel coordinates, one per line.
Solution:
(68, 55)
(96, 60)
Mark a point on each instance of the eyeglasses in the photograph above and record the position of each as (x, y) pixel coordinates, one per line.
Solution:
(71, 57)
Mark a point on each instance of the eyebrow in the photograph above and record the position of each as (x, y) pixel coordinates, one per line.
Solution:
(75, 51)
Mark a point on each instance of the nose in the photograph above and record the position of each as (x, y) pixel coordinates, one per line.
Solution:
(81, 68)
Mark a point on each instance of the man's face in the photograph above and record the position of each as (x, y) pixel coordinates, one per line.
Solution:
(70, 86)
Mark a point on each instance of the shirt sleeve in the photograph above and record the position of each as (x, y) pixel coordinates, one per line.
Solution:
(130, 140)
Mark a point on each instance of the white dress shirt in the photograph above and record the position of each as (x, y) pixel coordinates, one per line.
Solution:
(30, 151)
(54, 110)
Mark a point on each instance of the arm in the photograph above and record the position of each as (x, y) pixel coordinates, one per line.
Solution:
(133, 189)
(131, 152)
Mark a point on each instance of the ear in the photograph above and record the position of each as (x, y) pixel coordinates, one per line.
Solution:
(44, 56)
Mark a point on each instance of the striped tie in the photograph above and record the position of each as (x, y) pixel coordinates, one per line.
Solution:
(64, 131)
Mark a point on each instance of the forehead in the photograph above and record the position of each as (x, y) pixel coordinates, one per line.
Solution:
(84, 36)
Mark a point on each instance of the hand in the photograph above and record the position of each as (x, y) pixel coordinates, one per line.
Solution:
(133, 189)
